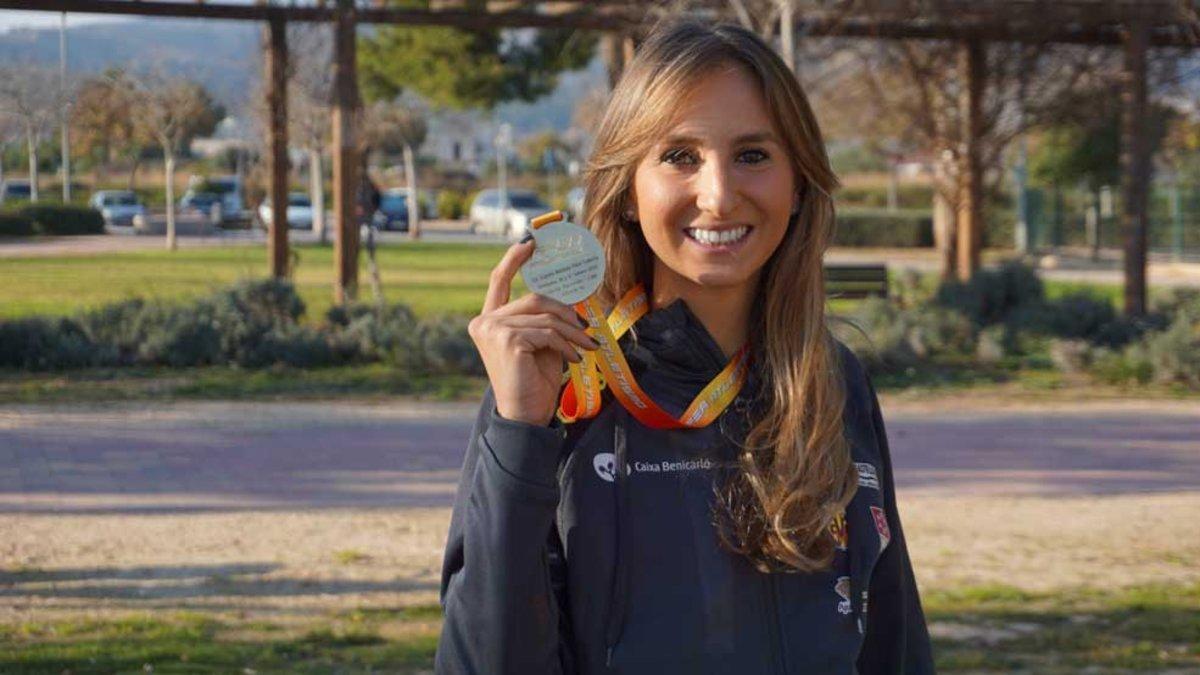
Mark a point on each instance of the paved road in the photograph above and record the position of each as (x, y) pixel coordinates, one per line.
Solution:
(219, 456)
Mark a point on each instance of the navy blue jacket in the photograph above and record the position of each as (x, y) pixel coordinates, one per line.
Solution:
(593, 549)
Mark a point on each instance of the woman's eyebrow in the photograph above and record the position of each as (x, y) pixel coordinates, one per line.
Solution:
(753, 137)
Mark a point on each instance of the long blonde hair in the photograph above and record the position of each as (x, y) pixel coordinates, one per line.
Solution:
(794, 473)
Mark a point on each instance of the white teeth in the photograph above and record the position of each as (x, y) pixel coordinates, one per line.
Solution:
(717, 237)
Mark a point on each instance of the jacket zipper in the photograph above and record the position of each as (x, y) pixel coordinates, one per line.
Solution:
(776, 630)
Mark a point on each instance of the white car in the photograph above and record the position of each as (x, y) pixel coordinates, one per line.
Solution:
(511, 219)
(299, 211)
(119, 207)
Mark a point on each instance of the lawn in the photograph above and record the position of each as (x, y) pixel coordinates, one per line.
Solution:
(975, 629)
(431, 278)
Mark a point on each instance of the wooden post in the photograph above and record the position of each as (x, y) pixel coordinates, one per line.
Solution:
(277, 55)
(347, 111)
(1135, 167)
(613, 55)
(787, 32)
(970, 207)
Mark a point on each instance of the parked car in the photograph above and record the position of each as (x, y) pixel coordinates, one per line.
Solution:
(510, 219)
(393, 210)
(299, 211)
(202, 202)
(14, 190)
(204, 191)
(119, 207)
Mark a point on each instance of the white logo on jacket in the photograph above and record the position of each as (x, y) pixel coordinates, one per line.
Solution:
(867, 476)
(605, 464)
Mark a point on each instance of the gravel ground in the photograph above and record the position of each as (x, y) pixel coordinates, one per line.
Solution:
(294, 565)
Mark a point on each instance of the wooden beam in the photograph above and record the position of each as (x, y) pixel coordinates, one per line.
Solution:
(277, 158)
(1135, 168)
(347, 117)
(970, 207)
(1093, 23)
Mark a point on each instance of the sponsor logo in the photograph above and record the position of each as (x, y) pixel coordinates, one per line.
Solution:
(670, 467)
(842, 588)
(605, 464)
(867, 476)
(881, 525)
(837, 528)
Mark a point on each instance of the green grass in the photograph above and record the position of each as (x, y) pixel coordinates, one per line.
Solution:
(995, 629)
(429, 277)
(400, 641)
(1137, 629)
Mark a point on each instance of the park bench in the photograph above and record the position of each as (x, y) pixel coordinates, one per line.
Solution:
(856, 281)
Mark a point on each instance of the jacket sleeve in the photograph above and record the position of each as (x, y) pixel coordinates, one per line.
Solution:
(897, 640)
(500, 611)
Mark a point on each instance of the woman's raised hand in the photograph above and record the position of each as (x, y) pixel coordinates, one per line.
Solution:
(523, 343)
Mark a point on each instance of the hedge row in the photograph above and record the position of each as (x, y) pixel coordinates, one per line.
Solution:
(883, 228)
(51, 219)
(250, 325)
(1003, 314)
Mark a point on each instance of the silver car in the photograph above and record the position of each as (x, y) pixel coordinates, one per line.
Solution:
(510, 219)
(119, 207)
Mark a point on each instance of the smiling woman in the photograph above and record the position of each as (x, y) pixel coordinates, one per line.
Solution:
(729, 505)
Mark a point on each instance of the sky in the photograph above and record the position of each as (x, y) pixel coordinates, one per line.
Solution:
(17, 19)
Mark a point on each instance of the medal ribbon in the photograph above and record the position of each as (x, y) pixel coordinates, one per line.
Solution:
(581, 400)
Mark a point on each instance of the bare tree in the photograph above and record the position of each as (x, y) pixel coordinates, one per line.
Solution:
(26, 96)
(174, 111)
(308, 107)
(392, 126)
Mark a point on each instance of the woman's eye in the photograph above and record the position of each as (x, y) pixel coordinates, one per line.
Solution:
(677, 156)
(754, 156)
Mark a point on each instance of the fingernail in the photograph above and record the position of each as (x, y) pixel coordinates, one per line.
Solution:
(583, 323)
(528, 237)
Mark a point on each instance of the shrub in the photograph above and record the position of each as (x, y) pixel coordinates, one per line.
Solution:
(16, 225)
(179, 336)
(40, 343)
(992, 294)
(1070, 356)
(62, 219)
(447, 348)
(883, 228)
(387, 334)
(887, 336)
(1174, 353)
(1120, 366)
(451, 204)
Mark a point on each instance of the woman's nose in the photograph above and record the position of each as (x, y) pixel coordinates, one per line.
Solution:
(716, 192)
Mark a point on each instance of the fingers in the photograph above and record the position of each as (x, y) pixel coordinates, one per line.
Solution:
(571, 332)
(500, 283)
(540, 304)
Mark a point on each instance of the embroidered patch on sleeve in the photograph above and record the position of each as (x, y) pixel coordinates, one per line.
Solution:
(842, 588)
(837, 528)
(881, 525)
(867, 476)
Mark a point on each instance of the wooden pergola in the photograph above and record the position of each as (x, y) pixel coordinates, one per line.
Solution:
(1134, 26)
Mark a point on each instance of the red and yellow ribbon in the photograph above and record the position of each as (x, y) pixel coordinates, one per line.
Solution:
(607, 367)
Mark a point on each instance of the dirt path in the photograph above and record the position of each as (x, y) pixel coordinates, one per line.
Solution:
(290, 511)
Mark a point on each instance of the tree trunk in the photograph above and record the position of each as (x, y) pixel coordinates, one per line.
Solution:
(1135, 168)
(316, 192)
(137, 163)
(414, 204)
(945, 230)
(33, 167)
(970, 204)
(170, 171)
(1093, 224)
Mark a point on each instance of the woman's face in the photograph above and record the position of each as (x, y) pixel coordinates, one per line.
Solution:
(715, 194)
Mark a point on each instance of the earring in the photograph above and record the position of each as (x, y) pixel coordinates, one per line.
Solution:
(631, 216)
